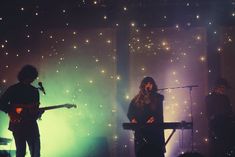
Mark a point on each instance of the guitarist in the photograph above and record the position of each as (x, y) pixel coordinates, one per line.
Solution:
(16, 100)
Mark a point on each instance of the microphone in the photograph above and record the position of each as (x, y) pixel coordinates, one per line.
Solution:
(41, 87)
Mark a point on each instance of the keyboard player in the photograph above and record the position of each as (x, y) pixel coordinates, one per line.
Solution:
(147, 108)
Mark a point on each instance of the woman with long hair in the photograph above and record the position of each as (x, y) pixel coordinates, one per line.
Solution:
(147, 108)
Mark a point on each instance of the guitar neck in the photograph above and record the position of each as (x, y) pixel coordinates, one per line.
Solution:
(52, 107)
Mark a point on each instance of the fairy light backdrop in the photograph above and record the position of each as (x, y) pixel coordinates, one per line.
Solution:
(77, 64)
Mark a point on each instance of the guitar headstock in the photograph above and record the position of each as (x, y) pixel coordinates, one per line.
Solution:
(70, 105)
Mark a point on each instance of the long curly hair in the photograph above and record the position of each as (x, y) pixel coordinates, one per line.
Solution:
(145, 81)
(144, 97)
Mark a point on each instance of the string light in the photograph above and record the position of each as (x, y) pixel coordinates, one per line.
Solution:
(133, 24)
(100, 64)
(203, 58)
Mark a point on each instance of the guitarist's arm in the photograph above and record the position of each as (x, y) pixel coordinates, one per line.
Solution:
(40, 112)
(4, 101)
(36, 111)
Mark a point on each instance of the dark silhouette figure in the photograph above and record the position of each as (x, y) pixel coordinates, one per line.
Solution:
(147, 108)
(221, 121)
(19, 100)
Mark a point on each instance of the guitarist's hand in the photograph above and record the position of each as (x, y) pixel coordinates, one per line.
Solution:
(40, 112)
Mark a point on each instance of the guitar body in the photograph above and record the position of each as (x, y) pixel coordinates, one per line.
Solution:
(21, 113)
(24, 113)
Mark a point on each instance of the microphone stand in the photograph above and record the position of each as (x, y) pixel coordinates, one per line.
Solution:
(190, 87)
(191, 112)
